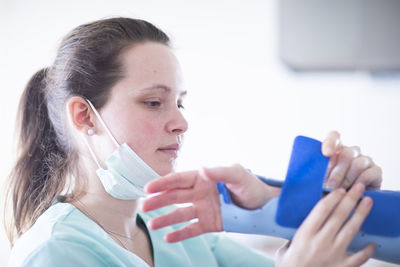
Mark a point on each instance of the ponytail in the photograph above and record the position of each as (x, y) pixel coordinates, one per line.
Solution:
(88, 64)
(38, 176)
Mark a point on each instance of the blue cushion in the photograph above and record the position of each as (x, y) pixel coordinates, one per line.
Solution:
(384, 218)
(303, 188)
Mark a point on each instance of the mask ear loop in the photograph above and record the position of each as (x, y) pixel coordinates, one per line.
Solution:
(91, 152)
(105, 127)
(102, 123)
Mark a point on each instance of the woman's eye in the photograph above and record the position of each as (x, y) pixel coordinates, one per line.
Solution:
(181, 106)
(153, 104)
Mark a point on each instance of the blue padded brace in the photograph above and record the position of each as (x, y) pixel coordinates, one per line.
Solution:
(262, 221)
(384, 217)
(259, 221)
(302, 188)
(382, 226)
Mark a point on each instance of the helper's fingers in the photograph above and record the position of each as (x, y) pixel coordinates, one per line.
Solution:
(342, 211)
(371, 178)
(331, 144)
(345, 158)
(176, 216)
(351, 228)
(168, 198)
(186, 232)
(358, 166)
(361, 256)
(172, 181)
(321, 212)
(232, 175)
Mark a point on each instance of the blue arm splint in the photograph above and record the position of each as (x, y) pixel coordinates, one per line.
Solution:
(301, 190)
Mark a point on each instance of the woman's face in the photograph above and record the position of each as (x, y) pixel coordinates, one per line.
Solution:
(145, 107)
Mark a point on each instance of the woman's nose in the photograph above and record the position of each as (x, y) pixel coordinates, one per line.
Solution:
(177, 124)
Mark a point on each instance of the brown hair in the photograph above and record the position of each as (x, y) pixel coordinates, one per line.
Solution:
(87, 64)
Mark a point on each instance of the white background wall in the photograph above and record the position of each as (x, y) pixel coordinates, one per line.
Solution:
(243, 105)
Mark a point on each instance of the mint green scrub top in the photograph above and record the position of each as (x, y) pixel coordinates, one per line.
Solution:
(63, 236)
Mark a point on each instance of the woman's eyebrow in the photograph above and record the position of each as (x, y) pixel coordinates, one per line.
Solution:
(162, 87)
(157, 87)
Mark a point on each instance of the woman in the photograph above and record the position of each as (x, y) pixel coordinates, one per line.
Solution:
(114, 87)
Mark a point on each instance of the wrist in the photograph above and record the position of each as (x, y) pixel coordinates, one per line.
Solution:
(263, 193)
(269, 192)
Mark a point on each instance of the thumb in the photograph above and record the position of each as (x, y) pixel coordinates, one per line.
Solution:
(230, 175)
(332, 144)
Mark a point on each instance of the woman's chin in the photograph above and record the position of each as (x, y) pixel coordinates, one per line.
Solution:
(164, 170)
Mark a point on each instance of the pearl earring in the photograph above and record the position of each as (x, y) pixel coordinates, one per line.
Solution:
(90, 132)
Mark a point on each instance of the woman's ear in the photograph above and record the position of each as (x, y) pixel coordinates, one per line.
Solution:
(80, 115)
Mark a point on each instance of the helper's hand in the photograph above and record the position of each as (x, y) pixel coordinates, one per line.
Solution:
(199, 189)
(324, 236)
(348, 166)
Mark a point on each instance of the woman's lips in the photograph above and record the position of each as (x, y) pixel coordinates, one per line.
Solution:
(171, 150)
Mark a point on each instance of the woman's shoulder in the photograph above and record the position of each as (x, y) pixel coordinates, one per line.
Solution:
(61, 221)
(59, 232)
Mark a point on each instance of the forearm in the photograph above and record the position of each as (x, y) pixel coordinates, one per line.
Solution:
(256, 221)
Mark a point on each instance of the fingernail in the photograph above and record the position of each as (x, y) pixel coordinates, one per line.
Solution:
(328, 150)
(204, 171)
(355, 153)
(338, 143)
(367, 202)
(166, 238)
(141, 207)
(332, 183)
(146, 188)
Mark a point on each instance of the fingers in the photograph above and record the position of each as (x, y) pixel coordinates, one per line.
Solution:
(347, 166)
(342, 211)
(371, 178)
(233, 174)
(189, 231)
(332, 144)
(176, 216)
(321, 212)
(361, 256)
(357, 167)
(351, 228)
(168, 198)
(172, 181)
(345, 159)
(245, 189)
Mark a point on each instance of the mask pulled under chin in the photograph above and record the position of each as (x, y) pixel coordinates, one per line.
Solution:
(126, 174)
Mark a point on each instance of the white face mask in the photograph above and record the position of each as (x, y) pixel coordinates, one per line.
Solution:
(126, 172)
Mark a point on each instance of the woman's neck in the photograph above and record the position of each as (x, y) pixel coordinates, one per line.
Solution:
(118, 219)
(113, 214)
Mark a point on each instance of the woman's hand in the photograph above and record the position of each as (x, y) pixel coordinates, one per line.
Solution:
(199, 189)
(348, 166)
(325, 234)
